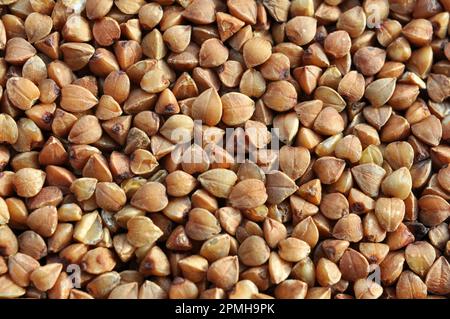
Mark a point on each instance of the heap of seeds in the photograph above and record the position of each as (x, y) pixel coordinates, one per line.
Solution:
(224, 149)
